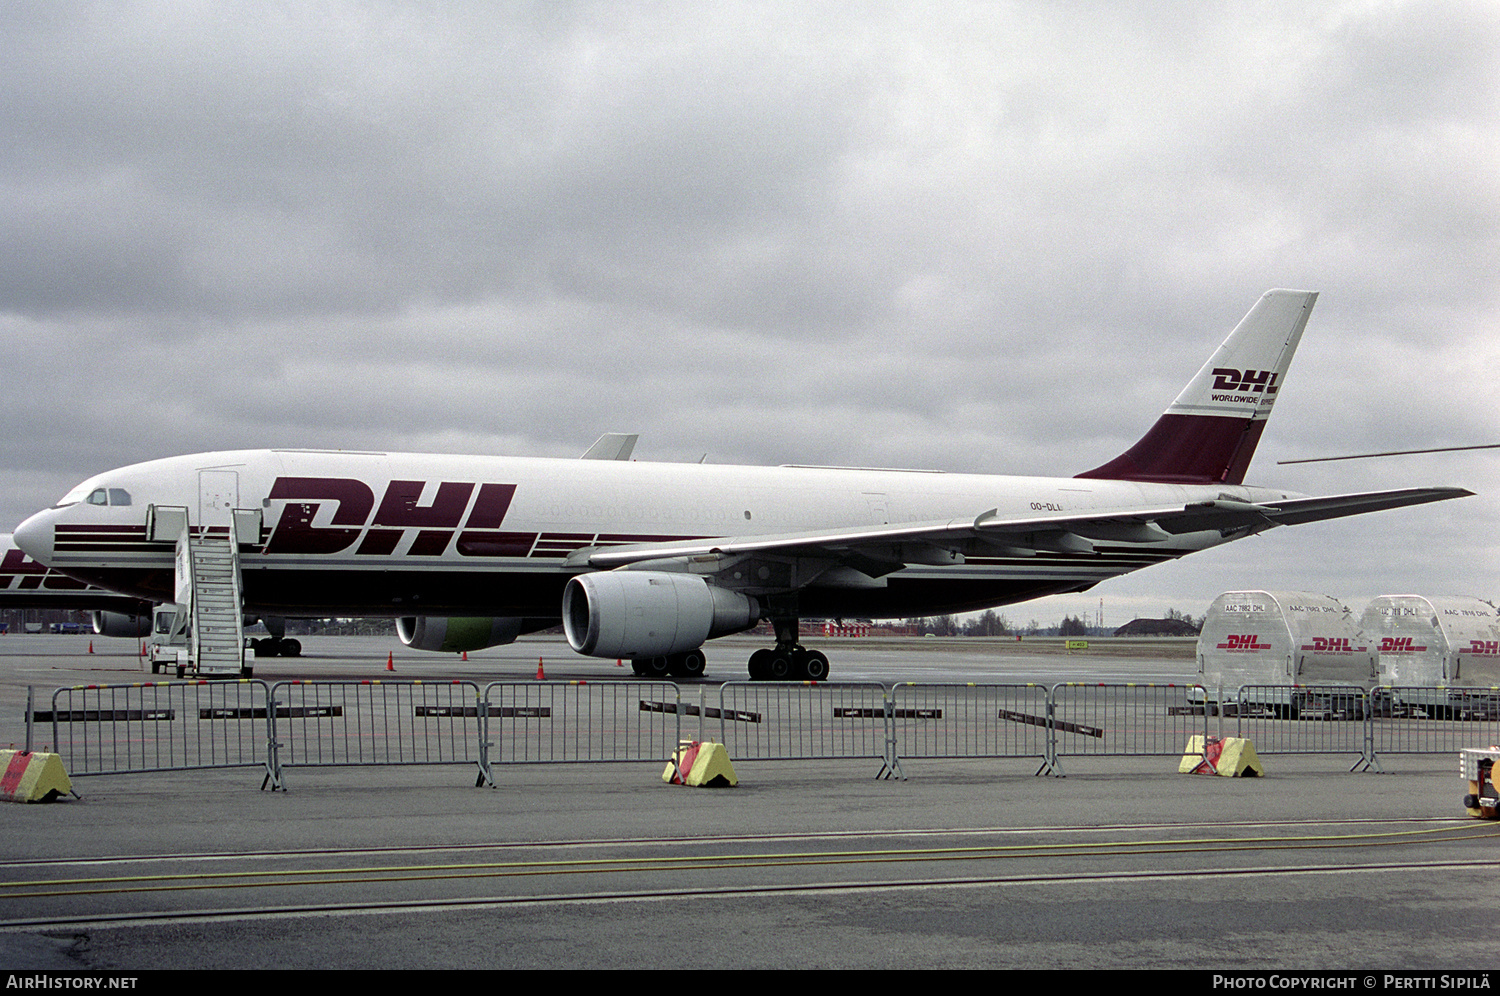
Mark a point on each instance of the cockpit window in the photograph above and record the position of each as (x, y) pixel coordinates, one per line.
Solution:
(108, 496)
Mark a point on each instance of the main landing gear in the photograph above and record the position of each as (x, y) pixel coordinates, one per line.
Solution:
(272, 647)
(795, 663)
(688, 665)
(788, 660)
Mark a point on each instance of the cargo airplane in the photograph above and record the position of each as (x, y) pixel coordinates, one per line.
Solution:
(648, 561)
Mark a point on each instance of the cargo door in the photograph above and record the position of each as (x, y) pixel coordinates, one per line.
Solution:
(218, 497)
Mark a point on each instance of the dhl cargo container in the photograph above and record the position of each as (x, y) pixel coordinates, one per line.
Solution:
(1256, 647)
(1437, 654)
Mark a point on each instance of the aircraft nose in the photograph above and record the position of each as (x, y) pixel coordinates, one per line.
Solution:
(34, 537)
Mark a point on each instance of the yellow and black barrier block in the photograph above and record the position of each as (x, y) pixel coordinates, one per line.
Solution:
(1232, 757)
(702, 765)
(29, 776)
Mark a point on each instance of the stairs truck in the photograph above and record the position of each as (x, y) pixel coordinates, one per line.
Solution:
(205, 634)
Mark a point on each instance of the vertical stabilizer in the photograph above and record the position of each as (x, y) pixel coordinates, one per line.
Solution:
(1209, 434)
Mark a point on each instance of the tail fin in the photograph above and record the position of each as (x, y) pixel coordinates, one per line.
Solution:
(1208, 435)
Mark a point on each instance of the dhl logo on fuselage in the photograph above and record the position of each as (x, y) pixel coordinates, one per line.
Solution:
(464, 515)
(1483, 648)
(1237, 642)
(1399, 645)
(398, 511)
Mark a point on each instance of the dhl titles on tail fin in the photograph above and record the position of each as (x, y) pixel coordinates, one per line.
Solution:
(1209, 434)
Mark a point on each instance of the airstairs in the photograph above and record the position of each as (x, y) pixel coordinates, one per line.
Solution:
(208, 586)
(218, 634)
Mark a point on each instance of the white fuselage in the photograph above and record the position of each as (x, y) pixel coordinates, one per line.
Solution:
(399, 534)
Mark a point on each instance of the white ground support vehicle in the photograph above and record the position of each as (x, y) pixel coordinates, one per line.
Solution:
(1270, 642)
(170, 648)
(1440, 655)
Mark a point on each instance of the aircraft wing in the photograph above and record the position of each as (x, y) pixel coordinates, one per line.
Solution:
(1292, 513)
(919, 542)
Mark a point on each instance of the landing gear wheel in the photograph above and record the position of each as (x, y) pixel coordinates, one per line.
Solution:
(291, 648)
(654, 667)
(779, 666)
(688, 665)
(638, 665)
(814, 665)
(760, 665)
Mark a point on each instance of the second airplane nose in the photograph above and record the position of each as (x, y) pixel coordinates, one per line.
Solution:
(34, 537)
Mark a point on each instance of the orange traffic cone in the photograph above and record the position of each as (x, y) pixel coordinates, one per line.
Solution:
(390, 661)
(465, 656)
(540, 675)
(91, 646)
(619, 663)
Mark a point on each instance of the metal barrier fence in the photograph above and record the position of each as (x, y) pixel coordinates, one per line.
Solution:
(1434, 720)
(156, 726)
(338, 723)
(1305, 719)
(533, 722)
(952, 720)
(788, 721)
(1123, 720)
(160, 726)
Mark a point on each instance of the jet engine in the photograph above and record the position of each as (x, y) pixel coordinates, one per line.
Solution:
(636, 614)
(121, 624)
(452, 635)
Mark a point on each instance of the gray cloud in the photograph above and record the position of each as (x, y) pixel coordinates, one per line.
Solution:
(983, 237)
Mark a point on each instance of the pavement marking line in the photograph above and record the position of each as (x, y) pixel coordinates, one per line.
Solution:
(1069, 880)
(437, 872)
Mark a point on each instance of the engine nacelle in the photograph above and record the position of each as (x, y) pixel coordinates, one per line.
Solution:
(631, 614)
(459, 633)
(121, 624)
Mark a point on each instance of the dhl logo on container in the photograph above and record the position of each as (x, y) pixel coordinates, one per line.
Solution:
(1241, 642)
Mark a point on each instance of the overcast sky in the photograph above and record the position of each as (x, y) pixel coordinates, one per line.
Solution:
(992, 237)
